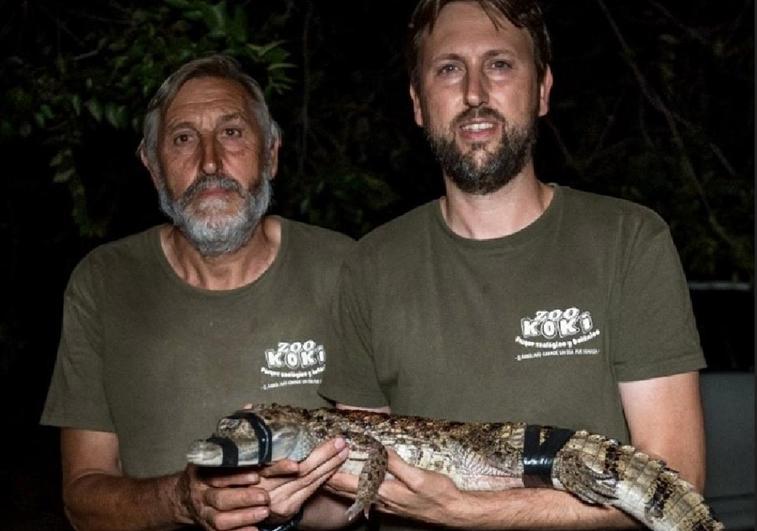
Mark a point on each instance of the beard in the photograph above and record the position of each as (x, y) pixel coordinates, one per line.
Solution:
(480, 171)
(207, 226)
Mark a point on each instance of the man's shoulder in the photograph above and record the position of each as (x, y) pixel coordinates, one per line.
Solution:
(119, 255)
(614, 212)
(315, 237)
(404, 230)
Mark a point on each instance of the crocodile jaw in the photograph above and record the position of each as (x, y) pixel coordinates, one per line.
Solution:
(207, 453)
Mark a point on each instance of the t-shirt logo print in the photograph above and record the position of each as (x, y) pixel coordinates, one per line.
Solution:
(556, 333)
(293, 363)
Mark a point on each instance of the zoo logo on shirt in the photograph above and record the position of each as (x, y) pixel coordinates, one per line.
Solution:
(293, 363)
(556, 332)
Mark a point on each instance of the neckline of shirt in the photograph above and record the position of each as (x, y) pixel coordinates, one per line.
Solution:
(263, 280)
(526, 235)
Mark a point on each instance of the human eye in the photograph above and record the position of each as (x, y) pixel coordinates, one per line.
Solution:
(446, 69)
(500, 64)
(231, 132)
(182, 138)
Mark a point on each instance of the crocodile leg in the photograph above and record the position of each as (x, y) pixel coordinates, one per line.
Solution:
(600, 471)
(374, 457)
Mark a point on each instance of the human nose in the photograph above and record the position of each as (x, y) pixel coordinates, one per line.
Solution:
(211, 160)
(476, 90)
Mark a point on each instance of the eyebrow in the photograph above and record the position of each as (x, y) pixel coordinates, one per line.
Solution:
(179, 125)
(224, 118)
(231, 117)
(452, 56)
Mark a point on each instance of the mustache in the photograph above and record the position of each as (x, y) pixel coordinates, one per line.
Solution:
(206, 181)
(477, 112)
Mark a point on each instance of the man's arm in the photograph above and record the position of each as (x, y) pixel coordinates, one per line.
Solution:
(665, 420)
(97, 496)
(325, 511)
(432, 497)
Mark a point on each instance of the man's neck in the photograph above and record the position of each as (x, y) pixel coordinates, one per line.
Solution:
(502, 213)
(226, 271)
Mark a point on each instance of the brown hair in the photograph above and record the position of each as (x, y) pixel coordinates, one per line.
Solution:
(521, 13)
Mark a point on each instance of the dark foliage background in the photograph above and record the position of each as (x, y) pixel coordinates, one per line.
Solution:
(653, 102)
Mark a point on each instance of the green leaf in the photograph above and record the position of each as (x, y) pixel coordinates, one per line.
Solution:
(95, 109)
(120, 61)
(270, 47)
(60, 63)
(216, 18)
(60, 157)
(238, 25)
(193, 15)
(76, 104)
(178, 4)
(46, 111)
(6, 129)
(116, 115)
(64, 176)
(279, 66)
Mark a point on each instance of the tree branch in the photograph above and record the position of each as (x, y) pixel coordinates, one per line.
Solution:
(304, 117)
(657, 102)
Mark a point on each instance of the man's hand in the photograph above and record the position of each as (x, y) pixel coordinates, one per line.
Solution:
(431, 497)
(290, 484)
(412, 493)
(219, 500)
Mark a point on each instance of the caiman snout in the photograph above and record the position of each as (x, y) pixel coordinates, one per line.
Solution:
(205, 453)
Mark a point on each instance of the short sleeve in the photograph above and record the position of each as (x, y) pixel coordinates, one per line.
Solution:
(350, 376)
(76, 398)
(656, 332)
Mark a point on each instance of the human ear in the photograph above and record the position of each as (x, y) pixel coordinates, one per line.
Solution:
(545, 87)
(417, 110)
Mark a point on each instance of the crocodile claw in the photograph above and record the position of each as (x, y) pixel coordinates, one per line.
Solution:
(356, 508)
(592, 486)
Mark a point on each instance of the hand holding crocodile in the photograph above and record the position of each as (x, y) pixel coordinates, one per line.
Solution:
(475, 456)
(222, 499)
(290, 483)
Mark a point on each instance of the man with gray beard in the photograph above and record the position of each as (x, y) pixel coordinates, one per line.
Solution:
(168, 330)
(220, 238)
(510, 298)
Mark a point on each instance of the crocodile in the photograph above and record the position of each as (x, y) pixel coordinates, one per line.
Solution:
(477, 456)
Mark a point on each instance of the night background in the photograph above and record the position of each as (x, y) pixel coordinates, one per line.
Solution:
(653, 101)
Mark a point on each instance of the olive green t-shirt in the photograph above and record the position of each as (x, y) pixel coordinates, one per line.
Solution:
(157, 361)
(539, 326)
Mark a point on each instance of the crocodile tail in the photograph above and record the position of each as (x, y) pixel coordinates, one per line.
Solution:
(600, 471)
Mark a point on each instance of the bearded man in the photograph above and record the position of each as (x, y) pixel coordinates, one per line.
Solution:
(167, 330)
(510, 298)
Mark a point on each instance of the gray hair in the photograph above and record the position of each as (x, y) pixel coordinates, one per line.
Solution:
(217, 65)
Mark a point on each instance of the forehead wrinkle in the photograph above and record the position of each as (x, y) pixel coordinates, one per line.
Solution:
(454, 56)
(184, 124)
(446, 29)
(447, 56)
(234, 117)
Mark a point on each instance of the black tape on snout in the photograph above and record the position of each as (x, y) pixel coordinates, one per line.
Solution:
(229, 450)
(262, 432)
(538, 457)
